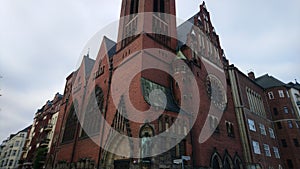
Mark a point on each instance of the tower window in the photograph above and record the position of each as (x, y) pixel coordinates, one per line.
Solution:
(162, 6)
(134, 6)
(155, 6)
(159, 6)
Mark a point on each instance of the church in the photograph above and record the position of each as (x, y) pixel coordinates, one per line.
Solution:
(158, 97)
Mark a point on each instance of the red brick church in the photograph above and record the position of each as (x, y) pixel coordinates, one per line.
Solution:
(159, 97)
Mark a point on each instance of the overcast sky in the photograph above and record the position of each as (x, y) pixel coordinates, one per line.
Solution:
(41, 42)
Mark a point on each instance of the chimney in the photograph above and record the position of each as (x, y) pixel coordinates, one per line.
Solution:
(251, 75)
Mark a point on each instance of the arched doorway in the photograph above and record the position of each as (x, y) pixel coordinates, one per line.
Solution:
(114, 161)
(146, 132)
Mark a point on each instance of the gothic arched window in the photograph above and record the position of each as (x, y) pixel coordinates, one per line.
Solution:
(92, 116)
(216, 160)
(70, 126)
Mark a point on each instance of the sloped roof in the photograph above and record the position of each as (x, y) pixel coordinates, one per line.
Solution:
(267, 81)
(88, 65)
(293, 85)
(111, 46)
(183, 30)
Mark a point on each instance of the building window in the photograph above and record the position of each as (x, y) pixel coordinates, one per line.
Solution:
(256, 148)
(267, 150)
(287, 94)
(14, 152)
(290, 124)
(230, 130)
(70, 126)
(270, 94)
(17, 143)
(290, 163)
(296, 142)
(251, 125)
(275, 111)
(11, 162)
(297, 124)
(92, 116)
(276, 152)
(262, 129)
(279, 126)
(159, 6)
(281, 94)
(286, 110)
(134, 6)
(271, 131)
(283, 143)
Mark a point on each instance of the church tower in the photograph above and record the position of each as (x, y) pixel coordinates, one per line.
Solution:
(145, 50)
(154, 18)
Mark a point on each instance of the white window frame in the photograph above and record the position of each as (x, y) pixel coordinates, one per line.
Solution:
(281, 93)
(267, 150)
(256, 148)
(262, 129)
(251, 125)
(271, 131)
(271, 95)
(290, 124)
(276, 152)
(285, 110)
(287, 94)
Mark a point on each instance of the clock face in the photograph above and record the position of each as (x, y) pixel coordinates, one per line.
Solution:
(216, 92)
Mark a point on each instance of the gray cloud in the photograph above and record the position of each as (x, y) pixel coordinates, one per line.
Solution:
(41, 43)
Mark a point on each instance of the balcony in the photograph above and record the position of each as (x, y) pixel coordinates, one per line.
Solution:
(48, 127)
(45, 143)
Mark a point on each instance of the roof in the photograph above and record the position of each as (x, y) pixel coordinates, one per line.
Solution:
(183, 30)
(26, 129)
(111, 46)
(89, 64)
(293, 85)
(267, 81)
